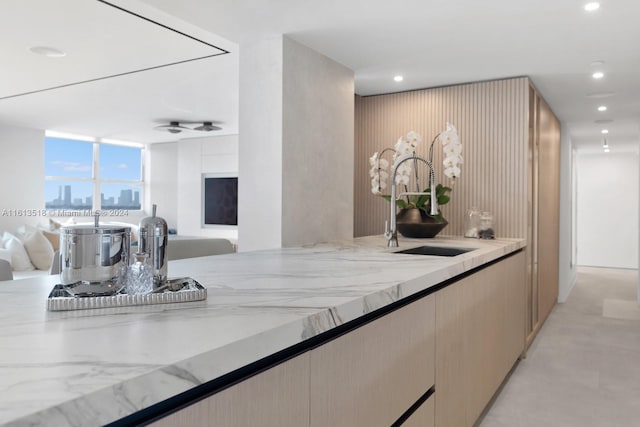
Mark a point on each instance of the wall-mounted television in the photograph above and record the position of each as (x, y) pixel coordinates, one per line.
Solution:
(219, 200)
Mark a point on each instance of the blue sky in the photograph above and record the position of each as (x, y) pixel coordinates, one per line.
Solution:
(71, 158)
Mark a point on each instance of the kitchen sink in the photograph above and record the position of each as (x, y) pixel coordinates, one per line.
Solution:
(435, 251)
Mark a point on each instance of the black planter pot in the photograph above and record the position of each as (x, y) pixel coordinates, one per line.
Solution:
(417, 224)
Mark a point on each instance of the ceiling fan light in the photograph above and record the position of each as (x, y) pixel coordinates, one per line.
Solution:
(207, 127)
(172, 127)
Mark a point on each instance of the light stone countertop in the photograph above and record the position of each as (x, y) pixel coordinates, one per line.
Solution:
(92, 367)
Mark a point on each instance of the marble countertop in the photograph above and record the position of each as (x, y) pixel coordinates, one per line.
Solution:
(92, 367)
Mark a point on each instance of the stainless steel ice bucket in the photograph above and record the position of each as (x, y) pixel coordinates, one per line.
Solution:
(94, 259)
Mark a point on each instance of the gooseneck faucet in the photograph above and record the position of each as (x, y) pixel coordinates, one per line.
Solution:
(391, 233)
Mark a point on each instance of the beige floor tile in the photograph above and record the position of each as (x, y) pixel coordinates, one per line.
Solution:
(583, 369)
(621, 309)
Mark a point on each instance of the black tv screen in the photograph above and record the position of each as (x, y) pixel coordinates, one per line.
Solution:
(220, 201)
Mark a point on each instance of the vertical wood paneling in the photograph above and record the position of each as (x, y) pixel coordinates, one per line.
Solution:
(491, 118)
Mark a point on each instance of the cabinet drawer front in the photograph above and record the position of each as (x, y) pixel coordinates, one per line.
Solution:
(278, 397)
(372, 375)
(424, 416)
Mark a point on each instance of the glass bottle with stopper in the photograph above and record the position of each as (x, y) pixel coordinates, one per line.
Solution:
(153, 242)
(486, 226)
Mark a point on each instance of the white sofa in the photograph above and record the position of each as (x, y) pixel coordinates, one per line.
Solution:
(181, 247)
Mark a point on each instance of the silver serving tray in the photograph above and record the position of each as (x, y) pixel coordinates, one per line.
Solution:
(62, 297)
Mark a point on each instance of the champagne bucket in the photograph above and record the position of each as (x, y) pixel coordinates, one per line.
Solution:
(94, 258)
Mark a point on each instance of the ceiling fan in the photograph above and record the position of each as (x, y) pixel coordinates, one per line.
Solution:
(175, 127)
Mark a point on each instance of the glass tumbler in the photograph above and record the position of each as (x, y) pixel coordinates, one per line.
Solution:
(139, 275)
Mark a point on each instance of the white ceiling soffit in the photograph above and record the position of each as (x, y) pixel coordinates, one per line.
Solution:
(108, 40)
(128, 67)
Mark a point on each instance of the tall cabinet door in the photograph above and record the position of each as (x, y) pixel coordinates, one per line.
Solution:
(549, 210)
(544, 213)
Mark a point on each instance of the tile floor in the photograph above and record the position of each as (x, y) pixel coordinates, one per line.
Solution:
(583, 369)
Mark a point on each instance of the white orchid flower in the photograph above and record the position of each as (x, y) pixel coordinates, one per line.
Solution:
(452, 149)
(449, 135)
(451, 161)
(383, 164)
(403, 174)
(414, 138)
(452, 172)
(402, 179)
(403, 149)
(373, 160)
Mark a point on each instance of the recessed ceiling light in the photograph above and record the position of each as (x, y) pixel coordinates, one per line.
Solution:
(598, 63)
(602, 108)
(49, 52)
(597, 75)
(398, 78)
(606, 150)
(590, 7)
(604, 131)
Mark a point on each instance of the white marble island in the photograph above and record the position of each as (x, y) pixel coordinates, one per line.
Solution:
(94, 367)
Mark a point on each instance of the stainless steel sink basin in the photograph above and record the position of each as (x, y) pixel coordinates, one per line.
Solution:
(435, 250)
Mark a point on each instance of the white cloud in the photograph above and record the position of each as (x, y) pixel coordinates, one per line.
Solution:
(71, 166)
(122, 166)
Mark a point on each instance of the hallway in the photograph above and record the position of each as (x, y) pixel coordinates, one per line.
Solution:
(583, 369)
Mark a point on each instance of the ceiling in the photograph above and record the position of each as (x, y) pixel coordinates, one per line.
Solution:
(429, 42)
(122, 74)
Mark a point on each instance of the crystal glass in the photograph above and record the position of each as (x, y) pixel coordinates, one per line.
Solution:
(139, 275)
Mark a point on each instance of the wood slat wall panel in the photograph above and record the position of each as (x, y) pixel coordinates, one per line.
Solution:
(492, 121)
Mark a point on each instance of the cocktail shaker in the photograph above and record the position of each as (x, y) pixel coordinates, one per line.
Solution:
(153, 241)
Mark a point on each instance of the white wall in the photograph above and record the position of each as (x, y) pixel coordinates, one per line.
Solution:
(296, 146)
(216, 154)
(566, 264)
(21, 176)
(318, 142)
(607, 208)
(162, 181)
(260, 183)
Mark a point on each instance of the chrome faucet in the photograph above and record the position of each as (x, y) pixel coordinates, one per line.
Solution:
(391, 233)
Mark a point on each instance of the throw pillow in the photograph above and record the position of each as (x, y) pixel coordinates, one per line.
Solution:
(5, 254)
(19, 257)
(39, 249)
(53, 238)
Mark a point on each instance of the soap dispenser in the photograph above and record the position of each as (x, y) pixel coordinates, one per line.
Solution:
(153, 241)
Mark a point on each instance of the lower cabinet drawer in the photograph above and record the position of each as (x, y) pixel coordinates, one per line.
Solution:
(278, 397)
(425, 415)
(371, 376)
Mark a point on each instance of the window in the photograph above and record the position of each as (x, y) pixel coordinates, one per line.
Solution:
(85, 174)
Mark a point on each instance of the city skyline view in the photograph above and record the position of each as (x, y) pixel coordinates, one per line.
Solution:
(128, 199)
(71, 172)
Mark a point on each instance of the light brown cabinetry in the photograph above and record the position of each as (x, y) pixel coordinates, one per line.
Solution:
(462, 340)
(479, 335)
(367, 377)
(371, 376)
(424, 416)
(278, 397)
(544, 213)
